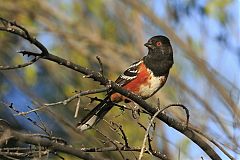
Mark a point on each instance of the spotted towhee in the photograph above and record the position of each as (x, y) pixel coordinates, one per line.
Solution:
(144, 78)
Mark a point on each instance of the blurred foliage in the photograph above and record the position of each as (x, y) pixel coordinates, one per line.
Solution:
(80, 30)
(216, 9)
(30, 75)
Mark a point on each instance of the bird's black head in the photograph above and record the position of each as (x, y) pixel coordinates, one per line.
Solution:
(160, 54)
(157, 42)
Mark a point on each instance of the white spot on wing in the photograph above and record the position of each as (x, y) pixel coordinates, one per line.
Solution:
(133, 71)
(88, 124)
(135, 64)
(127, 77)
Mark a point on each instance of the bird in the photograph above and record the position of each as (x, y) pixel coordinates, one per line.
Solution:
(144, 78)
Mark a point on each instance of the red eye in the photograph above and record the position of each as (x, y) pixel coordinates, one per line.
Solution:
(158, 43)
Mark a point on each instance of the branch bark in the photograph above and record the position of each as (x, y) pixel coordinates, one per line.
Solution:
(41, 141)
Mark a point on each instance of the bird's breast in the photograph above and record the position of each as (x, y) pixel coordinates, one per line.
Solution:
(152, 85)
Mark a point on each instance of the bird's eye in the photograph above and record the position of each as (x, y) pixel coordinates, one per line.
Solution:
(158, 43)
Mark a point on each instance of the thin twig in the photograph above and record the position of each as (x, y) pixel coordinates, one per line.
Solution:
(147, 132)
(185, 109)
(66, 101)
(100, 64)
(151, 122)
(44, 126)
(77, 108)
(35, 59)
(214, 142)
(113, 148)
(48, 143)
(122, 107)
(28, 53)
(110, 140)
(28, 118)
(13, 27)
(124, 137)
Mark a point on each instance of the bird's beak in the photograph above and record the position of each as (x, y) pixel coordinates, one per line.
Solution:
(149, 45)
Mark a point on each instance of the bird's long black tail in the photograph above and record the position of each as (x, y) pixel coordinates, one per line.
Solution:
(95, 115)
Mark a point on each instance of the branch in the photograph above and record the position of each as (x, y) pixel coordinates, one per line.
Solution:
(13, 27)
(35, 123)
(35, 59)
(147, 133)
(66, 101)
(114, 142)
(100, 64)
(191, 134)
(146, 136)
(124, 137)
(214, 142)
(39, 140)
(23, 153)
(77, 107)
(137, 149)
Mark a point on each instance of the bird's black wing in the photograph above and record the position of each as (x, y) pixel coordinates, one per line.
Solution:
(129, 74)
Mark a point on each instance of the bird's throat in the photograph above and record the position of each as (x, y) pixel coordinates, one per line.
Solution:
(158, 64)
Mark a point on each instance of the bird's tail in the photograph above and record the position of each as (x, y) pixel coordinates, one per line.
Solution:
(95, 115)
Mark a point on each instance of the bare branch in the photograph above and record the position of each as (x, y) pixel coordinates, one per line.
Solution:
(66, 101)
(13, 27)
(137, 149)
(214, 142)
(45, 142)
(35, 123)
(146, 136)
(124, 137)
(23, 153)
(77, 108)
(100, 64)
(35, 59)
(114, 142)
(28, 53)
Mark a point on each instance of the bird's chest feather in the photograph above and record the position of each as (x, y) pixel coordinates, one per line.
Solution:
(145, 84)
(152, 85)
